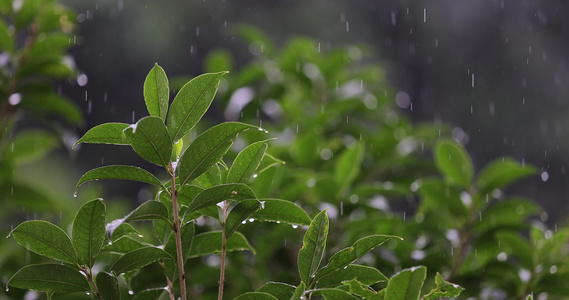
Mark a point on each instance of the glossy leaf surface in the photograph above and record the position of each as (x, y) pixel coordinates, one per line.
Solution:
(156, 92)
(108, 133)
(50, 278)
(313, 246)
(120, 172)
(150, 140)
(88, 232)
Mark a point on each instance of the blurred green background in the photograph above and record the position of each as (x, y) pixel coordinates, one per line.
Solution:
(495, 69)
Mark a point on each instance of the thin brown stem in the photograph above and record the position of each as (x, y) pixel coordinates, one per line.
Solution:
(170, 288)
(90, 279)
(223, 251)
(178, 234)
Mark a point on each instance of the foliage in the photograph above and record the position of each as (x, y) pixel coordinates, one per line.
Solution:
(416, 225)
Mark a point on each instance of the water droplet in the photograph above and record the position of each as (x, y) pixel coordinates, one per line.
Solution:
(75, 195)
(294, 226)
(234, 192)
(15, 99)
(251, 220)
(345, 267)
(255, 175)
(262, 204)
(82, 80)
(130, 292)
(244, 222)
(544, 176)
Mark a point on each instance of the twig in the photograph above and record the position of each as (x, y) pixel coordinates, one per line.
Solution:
(223, 250)
(178, 234)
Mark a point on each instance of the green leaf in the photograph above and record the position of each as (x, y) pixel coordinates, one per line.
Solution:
(347, 256)
(124, 245)
(407, 284)
(362, 290)
(157, 92)
(256, 296)
(267, 162)
(444, 289)
(149, 210)
(510, 212)
(20, 195)
(31, 145)
(517, 246)
(313, 245)
(42, 104)
(247, 162)
(6, 40)
(502, 172)
(210, 243)
(363, 274)
(138, 258)
(120, 172)
(278, 289)
(88, 232)
(299, 292)
(50, 278)
(216, 194)
(108, 286)
(45, 239)
(218, 60)
(333, 294)
(348, 166)
(207, 149)
(454, 163)
(124, 229)
(149, 138)
(108, 133)
(276, 210)
(190, 104)
(150, 294)
(187, 193)
(239, 213)
(210, 178)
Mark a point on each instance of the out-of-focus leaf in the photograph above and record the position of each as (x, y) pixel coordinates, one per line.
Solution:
(278, 289)
(218, 60)
(454, 163)
(518, 246)
(267, 162)
(509, 212)
(42, 103)
(437, 197)
(247, 162)
(31, 145)
(108, 286)
(157, 92)
(120, 172)
(108, 133)
(19, 195)
(149, 138)
(256, 296)
(207, 149)
(363, 274)
(149, 210)
(6, 40)
(50, 278)
(216, 194)
(276, 210)
(444, 289)
(501, 172)
(191, 103)
(313, 246)
(407, 284)
(348, 166)
(88, 232)
(45, 239)
(347, 256)
(210, 243)
(138, 258)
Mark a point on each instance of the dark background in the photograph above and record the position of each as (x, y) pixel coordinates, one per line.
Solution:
(496, 69)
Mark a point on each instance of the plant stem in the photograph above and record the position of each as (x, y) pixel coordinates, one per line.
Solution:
(465, 236)
(223, 250)
(90, 279)
(170, 289)
(178, 233)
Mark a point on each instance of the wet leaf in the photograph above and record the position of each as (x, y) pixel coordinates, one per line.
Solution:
(138, 258)
(107, 133)
(88, 232)
(149, 210)
(50, 278)
(120, 172)
(333, 294)
(454, 163)
(279, 290)
(276, 210)
(216, 194)
(313, 246)
(246, 163)
(407, 284)
(299, 291)
(150, 140)
(157, 92)
(444, 289)
(256, 296)
(190, 104)
(108, 286)
(363, 274)
(239, 213)
(210, 243)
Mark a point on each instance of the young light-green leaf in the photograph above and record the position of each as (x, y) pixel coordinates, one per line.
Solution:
(210, 243)
(276, 210)
(239, 213)
(191, 103)
(454, 163)
(52, 278)
(500, 173)
(256, 296)
(88, 232)
(120, 172)
(108, 133)
(108, 286)
(216, 194)
(156, 92)
(349, 255)
(149, 210)
(407, 284)
(247, 162)
(45, 239)
(207, 149)
(139, 258)
(150, 140)
(444, 289)
(313, 246)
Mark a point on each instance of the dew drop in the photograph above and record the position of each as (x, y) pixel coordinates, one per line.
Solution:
(251, 220)
(294, 226)
(75, 195)
(130, 292)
